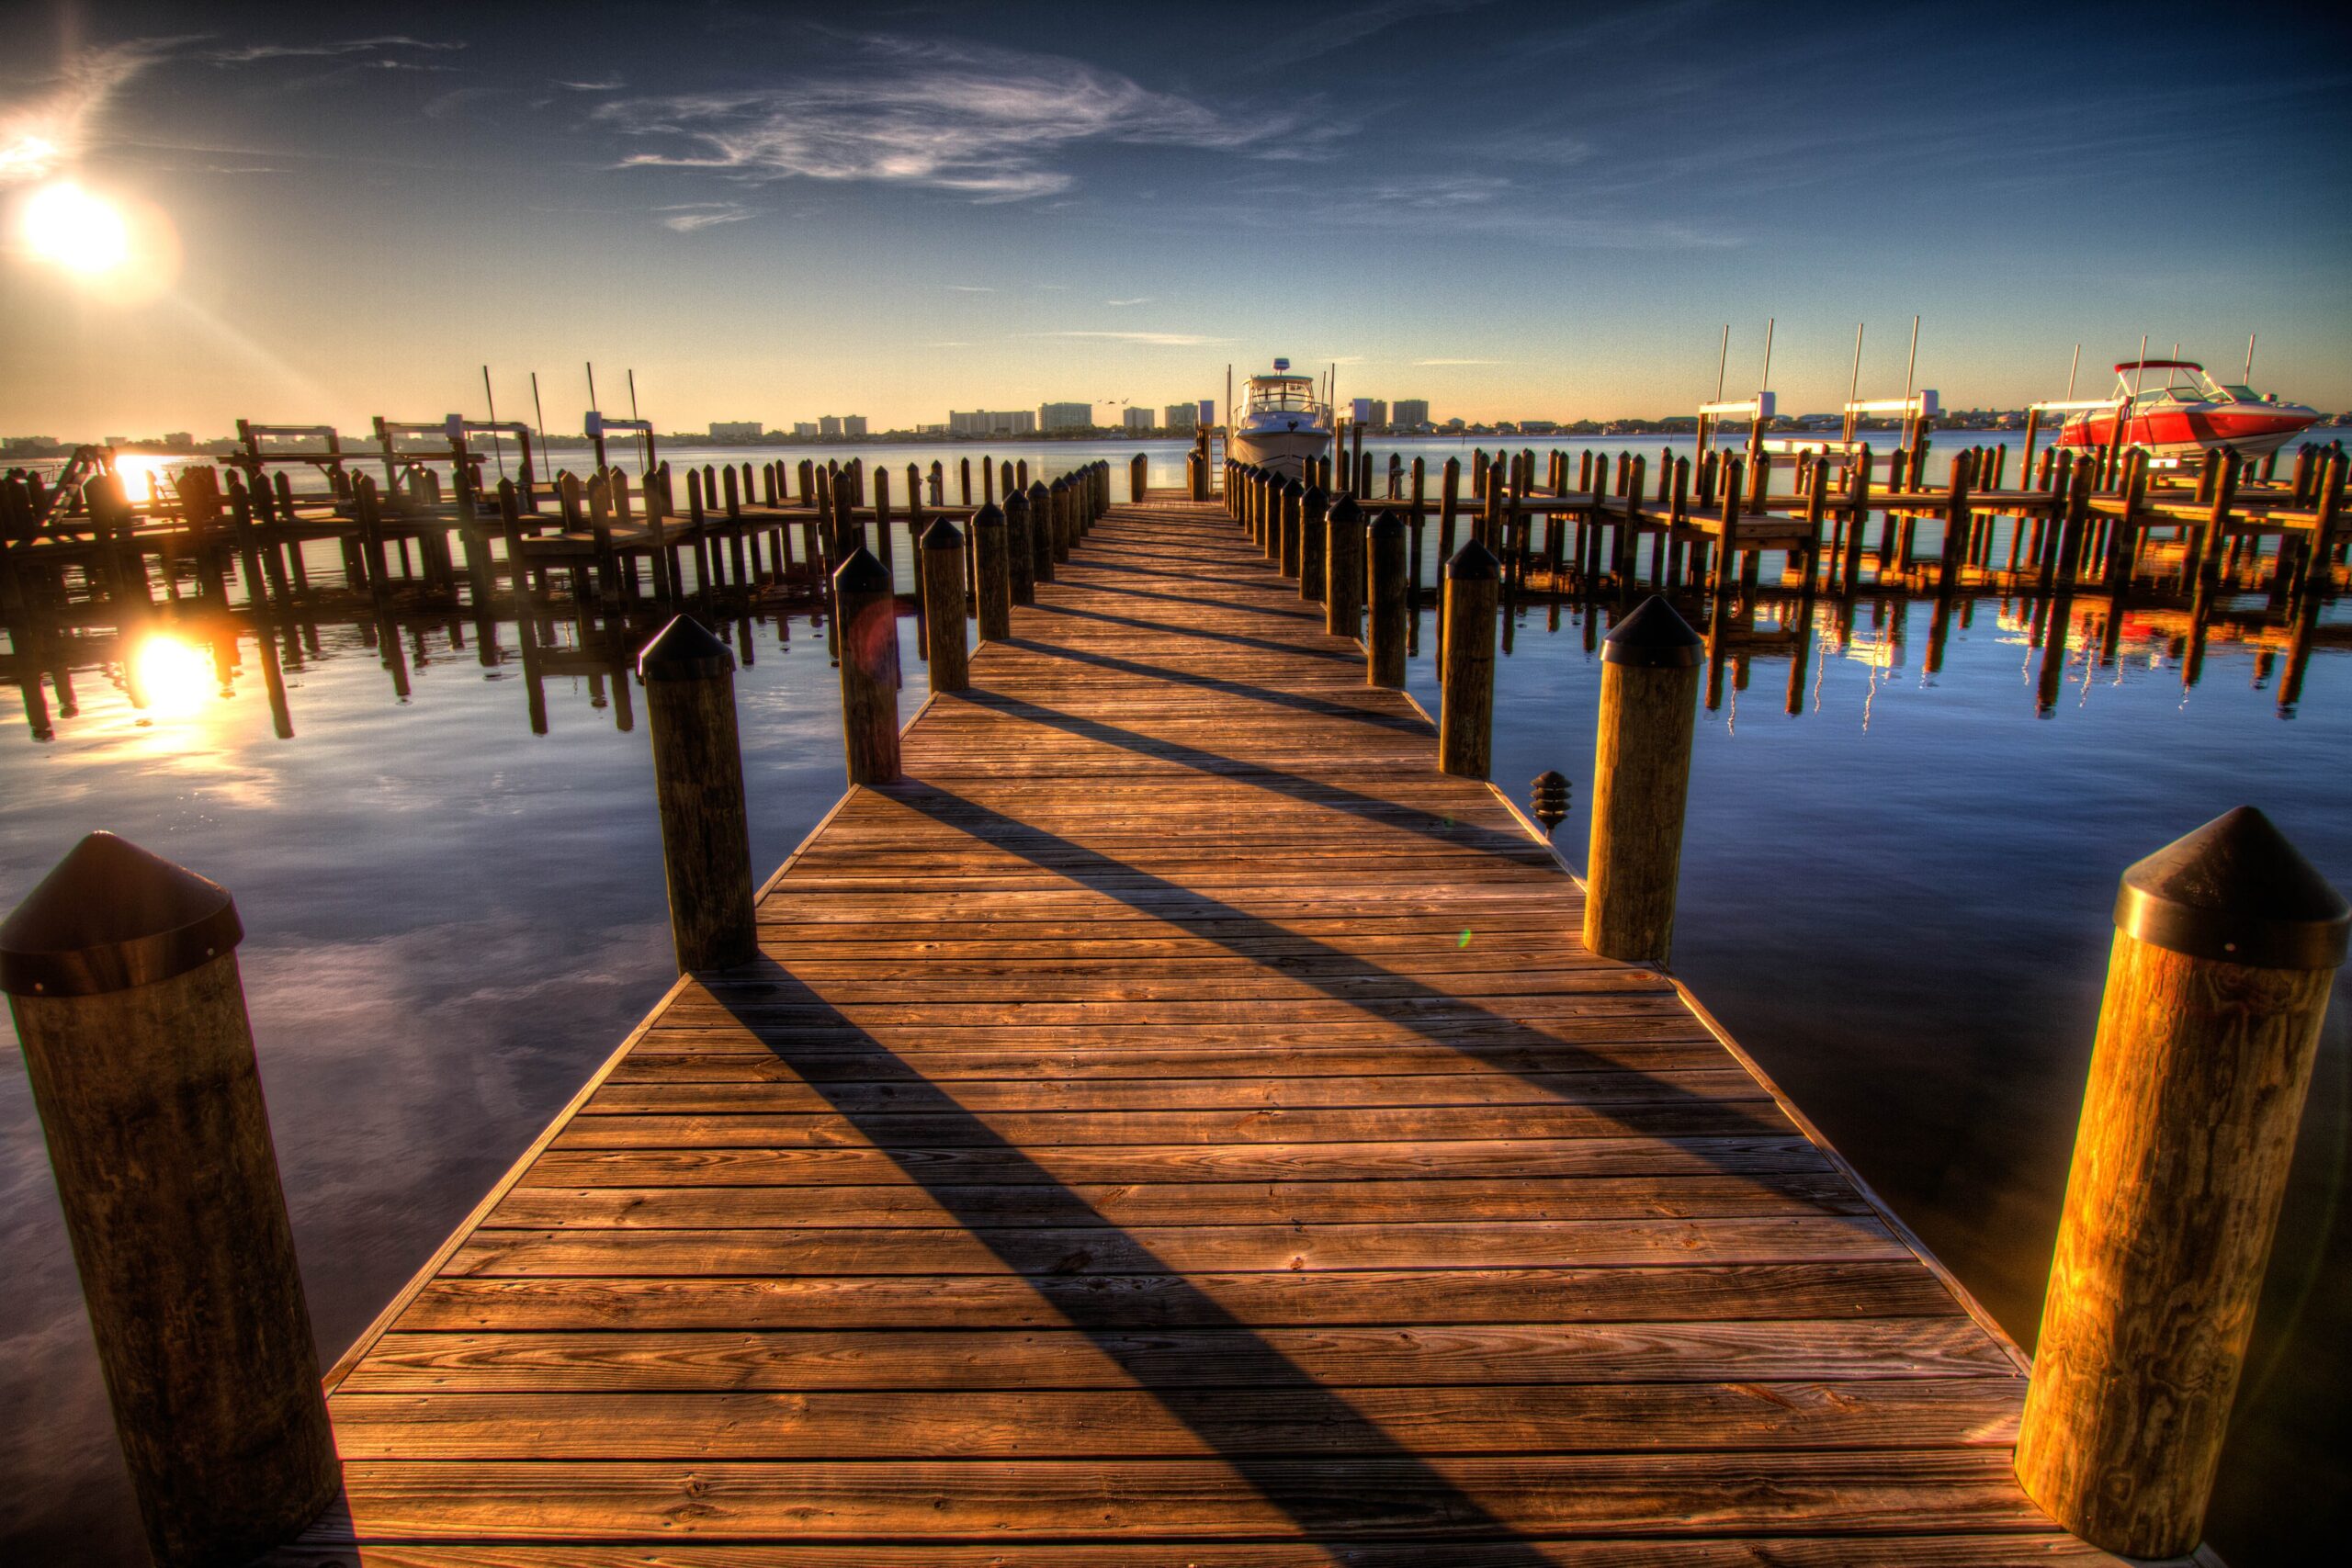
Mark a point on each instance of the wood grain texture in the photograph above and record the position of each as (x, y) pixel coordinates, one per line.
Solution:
(1174, 1121)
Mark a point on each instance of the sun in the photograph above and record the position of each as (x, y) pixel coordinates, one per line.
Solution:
(66, 225)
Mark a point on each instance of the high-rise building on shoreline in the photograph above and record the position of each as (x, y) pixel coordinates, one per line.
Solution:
(1138, 419)
(993, 422)
(1410, 413)
(1179, 416)
(1065, 416)
(736, 430)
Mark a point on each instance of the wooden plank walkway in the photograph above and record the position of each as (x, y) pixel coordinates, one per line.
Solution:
(1176, 1124)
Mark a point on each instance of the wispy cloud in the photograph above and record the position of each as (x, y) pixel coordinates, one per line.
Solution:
(1164, 339)
(969, 288)
(1139, 299)
(685, 217)
(383, 44)
(984, 122)
(613, 86)
(52, 131)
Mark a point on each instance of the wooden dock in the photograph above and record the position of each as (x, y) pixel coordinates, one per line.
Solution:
(1176, 1124)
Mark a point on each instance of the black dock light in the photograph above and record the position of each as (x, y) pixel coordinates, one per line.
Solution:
(1551, 799)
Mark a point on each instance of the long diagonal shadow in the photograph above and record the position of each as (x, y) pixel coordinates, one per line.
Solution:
(1364, 1483)
(1409, 1496)
(1299, 786)
(1373, 719)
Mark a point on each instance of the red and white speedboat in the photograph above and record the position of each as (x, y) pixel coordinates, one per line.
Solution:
(2186, 414)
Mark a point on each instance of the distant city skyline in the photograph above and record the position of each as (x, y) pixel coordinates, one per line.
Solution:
(312, 216)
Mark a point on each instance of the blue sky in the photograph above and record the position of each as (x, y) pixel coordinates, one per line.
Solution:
(1510, 209)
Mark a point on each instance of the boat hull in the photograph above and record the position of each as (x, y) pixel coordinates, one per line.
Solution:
(2255, 430)
(1286, 452)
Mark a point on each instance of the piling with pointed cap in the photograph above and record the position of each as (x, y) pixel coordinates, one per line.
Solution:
(1292, 499)
(1344, 577)
(1018, 554)
(1392, 611)
(868, 614)
(2225, 945)
(689, 678)
(1641, 781)
(1466, 715)
(992, 574)
(1138, 476)
(943, 569)
(121, 972)
(1042, 539)
(1316, 518)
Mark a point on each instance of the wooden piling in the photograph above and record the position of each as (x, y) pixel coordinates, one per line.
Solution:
(1641, 781)
(1138, 475)
(992, 574)
(121, 974)
(1467, 712)
(698, 783)
(2217, 984)
(1020, 552)
(1042, 552)
(867, 610)
(941, 559)
(1343, 568)
(1314, 540)
(1392, 610)
(1292, 504)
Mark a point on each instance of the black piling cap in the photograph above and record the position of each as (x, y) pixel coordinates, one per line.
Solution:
(1018, 500)
(1296, 489)
(685, 649)
(861, 573)
(2237, 892)
(1314, 501)
(990, 516)
(110, 915)
(1057, 484)
(1037, 492)
(1386, 526)
(1346, 511)
(942, 535)
(1473, 563)
(1654, 638)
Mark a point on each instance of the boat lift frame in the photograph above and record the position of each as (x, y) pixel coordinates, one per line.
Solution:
(596, 425)
(464, 461)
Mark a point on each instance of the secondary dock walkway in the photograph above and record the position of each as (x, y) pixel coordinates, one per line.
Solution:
(1177, 1124)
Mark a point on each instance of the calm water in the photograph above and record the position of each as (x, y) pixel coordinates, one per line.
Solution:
(1897, 898)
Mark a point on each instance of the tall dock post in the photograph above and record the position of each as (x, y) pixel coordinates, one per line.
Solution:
(121, 974)
(1467, 712)
(1342, 584)
(943, 574)
(1138, 472)
(867, 612)
(992, 573)
(1044, 543)
(1392, 610)
(699, 781)
(1317, 519)
(2225, 943)
(1291, 502)
(1019, 553)
(1641, 781)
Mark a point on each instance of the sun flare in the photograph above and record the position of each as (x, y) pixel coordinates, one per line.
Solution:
(66, 225)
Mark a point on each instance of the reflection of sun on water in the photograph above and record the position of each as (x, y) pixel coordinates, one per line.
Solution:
(168, 677)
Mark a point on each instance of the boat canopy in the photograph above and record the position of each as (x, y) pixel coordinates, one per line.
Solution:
(1283, 392)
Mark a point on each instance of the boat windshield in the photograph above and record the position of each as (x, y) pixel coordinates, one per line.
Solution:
(1282, 393)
